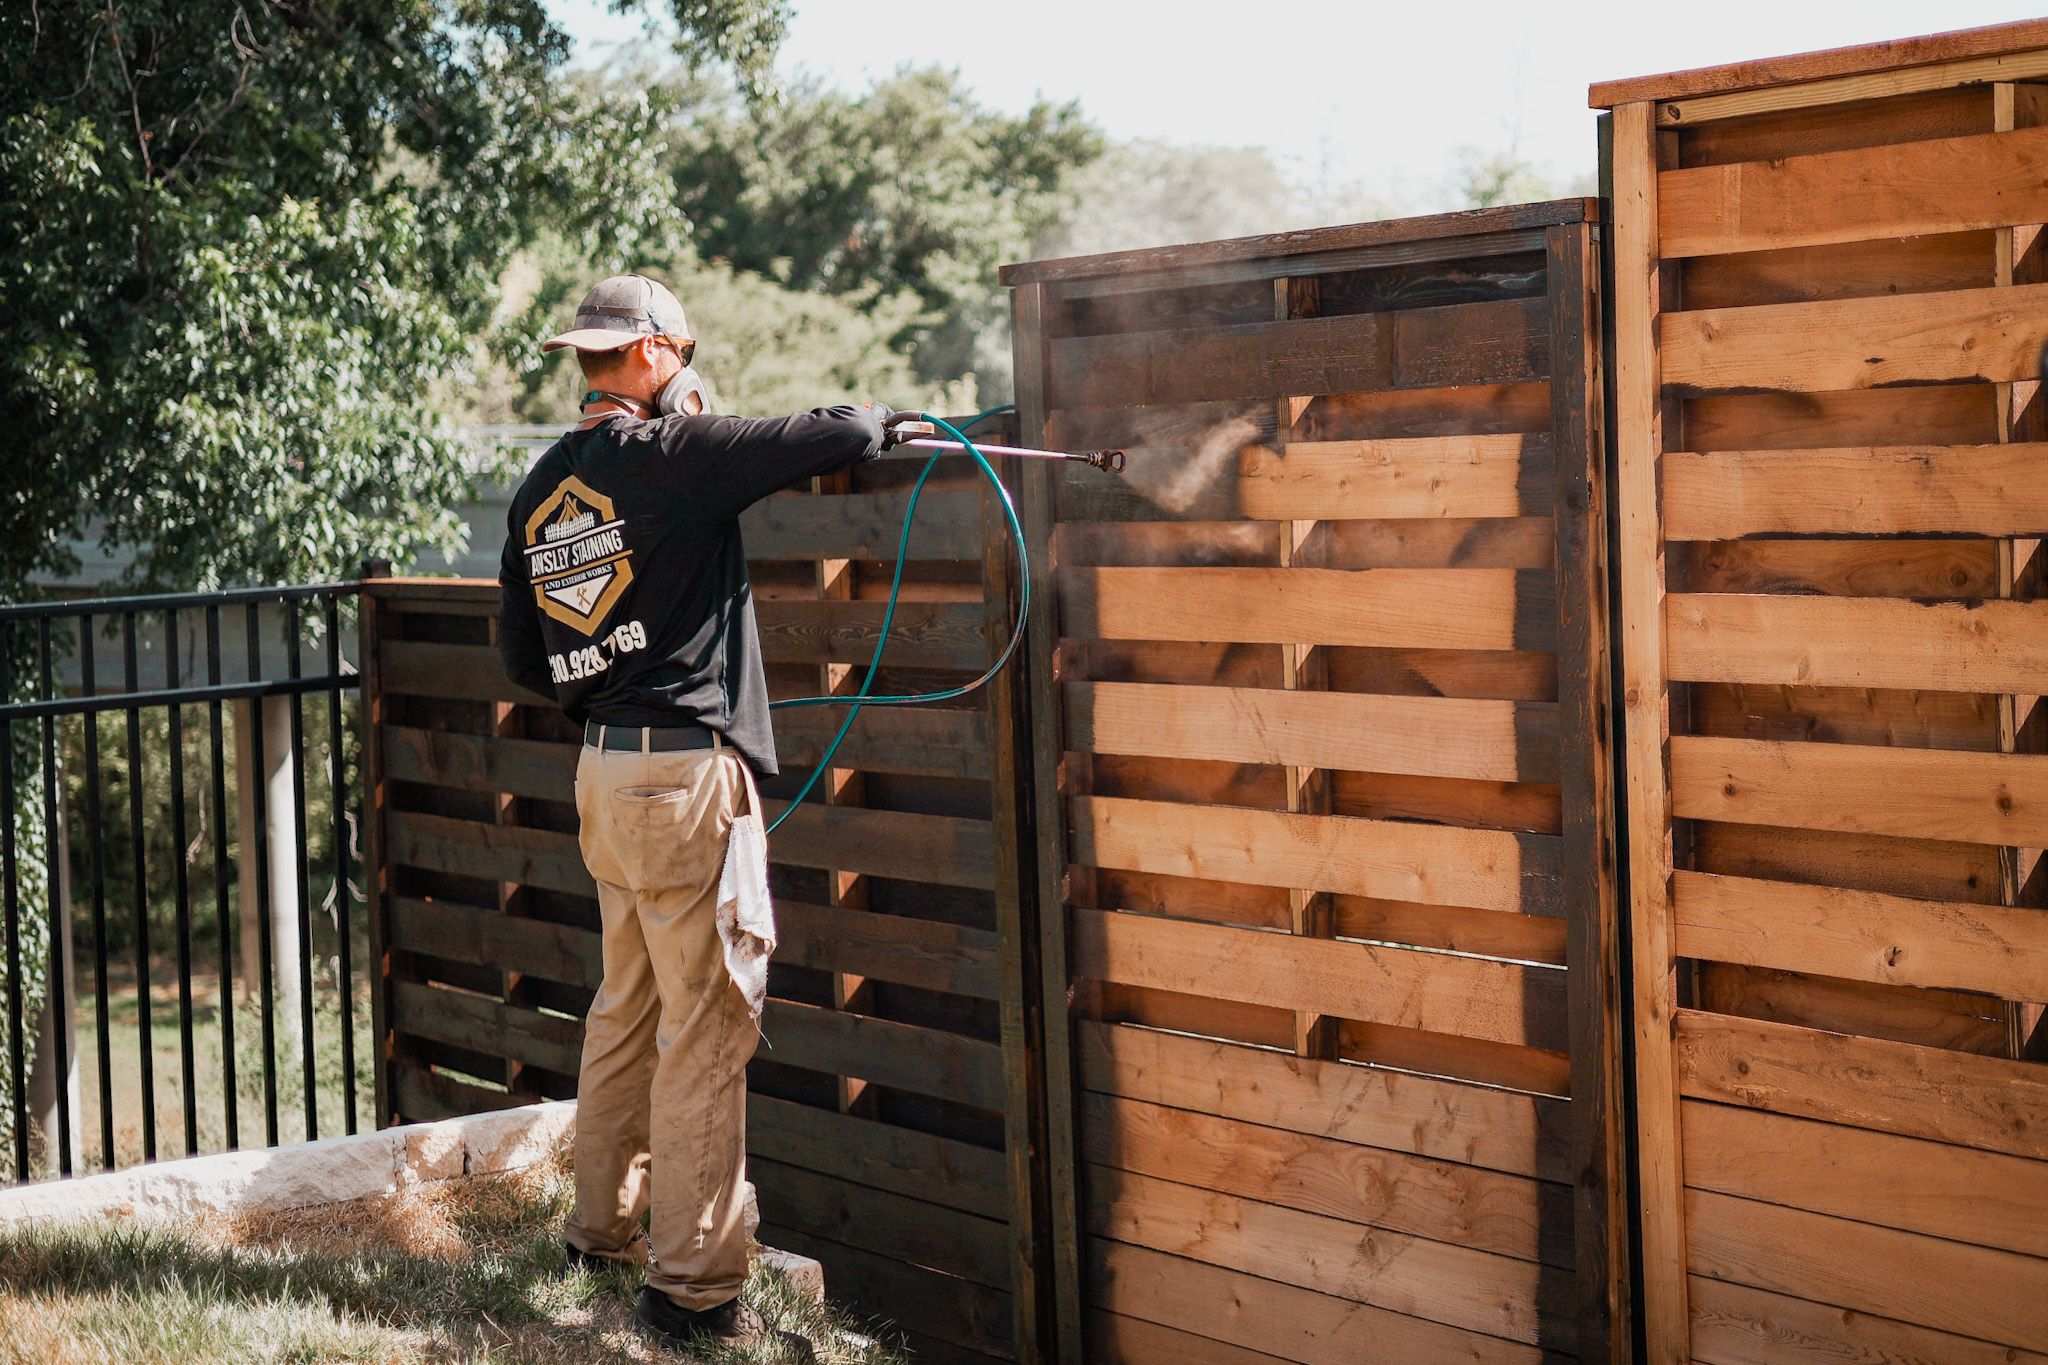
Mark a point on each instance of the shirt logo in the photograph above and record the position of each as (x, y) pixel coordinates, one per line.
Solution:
(576, 555)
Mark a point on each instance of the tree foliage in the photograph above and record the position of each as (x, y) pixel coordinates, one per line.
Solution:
(912, 187)
(250, 237)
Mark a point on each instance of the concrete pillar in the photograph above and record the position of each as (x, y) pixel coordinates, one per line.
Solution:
(281, 872)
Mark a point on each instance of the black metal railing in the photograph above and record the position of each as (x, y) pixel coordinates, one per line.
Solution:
(214, 863)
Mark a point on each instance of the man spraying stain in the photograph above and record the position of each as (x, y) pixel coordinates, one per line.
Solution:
(624, 596)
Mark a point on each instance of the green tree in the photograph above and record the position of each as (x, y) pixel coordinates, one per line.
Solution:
(910, 188)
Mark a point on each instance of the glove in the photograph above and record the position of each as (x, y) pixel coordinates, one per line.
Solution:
(891, 424)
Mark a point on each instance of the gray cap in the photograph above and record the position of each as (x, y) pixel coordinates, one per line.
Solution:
(620, 311)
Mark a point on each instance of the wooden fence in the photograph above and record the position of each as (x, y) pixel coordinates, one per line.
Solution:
(1828, 310)
(889, 1109)
(1322, 811)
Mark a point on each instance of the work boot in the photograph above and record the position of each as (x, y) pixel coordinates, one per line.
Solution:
(731, 1323)
(575, 1258)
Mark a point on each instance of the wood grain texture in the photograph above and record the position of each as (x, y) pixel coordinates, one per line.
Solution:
(1984, 1198)
(1995, 646)
(1442, 476)
(1463, 1205)
(1864, 935)
(1989, 334)
(1863, 789)
(1949, 1286)
(1446, 1120)
(1869, 490)
(1467, 609)
(1433, 736)
(927, 1061)
(1901, 190)
(1865, 58)
(1737, 1325)
(1435, 864)
(1984, 1102)
(1473, 997)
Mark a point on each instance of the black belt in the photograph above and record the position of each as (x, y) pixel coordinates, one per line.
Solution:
(660, 739)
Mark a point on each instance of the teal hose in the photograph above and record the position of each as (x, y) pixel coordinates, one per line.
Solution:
(865, 696)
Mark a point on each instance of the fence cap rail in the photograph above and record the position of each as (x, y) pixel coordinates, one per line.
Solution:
(1275, 245)
(1868, 58)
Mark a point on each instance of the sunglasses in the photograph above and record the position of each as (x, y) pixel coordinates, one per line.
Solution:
(686, 349)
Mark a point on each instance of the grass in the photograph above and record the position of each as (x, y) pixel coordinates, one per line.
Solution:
(457, 1272)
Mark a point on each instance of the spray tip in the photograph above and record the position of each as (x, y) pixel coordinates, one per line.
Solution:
(1108, 461)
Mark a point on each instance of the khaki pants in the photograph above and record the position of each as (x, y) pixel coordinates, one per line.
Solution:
(662, 1096)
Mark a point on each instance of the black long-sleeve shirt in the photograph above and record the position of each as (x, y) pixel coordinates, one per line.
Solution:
(623, 591)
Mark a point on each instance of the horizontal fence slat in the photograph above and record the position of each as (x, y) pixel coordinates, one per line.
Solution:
(1744, 1326)
(533, 768)
(1248, 1311)
(913, 952)
(1954, 1097)
(489, 1026)
(491, 938)
(883, 1222)
(924, 634)
(1386, 859)
(1985, 1198)
(943, 849)
(1508, 475)
(903, 1160)
(807, 526)
(1498, 741)
(1969, 490)
(1458, 1286)
(1909, 189)
(1863, 789)
(1989, 646)
(501, 853)
(1949, 1286)
(924, 741)
(1520, 1134)
(1991, 334)
(423, 668)
(1467, 343)
(423, 1096)
(905, 1056)
(1469, 609)
(1463, 1205)
(969, 1322)
(1436, 992)
(1862, 935)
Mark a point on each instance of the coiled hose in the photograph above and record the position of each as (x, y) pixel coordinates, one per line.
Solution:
(865, 696)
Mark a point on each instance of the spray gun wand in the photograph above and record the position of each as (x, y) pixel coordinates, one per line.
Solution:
(925, 436)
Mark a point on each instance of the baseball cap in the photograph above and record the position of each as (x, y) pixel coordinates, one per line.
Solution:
(621, 310)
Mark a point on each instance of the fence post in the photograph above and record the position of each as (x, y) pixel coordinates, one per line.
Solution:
(370, 716)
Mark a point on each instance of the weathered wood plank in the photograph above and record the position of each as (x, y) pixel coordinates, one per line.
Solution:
(553, 1042)
(1458, 1286)
(883, 1223)
(1473, 997)
(1984, 1198)
(1302, 1325)
(1864, 935)
(1991, 334)
(423, 1096)
(1471, 609)
(950, 1309)
(1996, 646)
(1949, 1286)
(1843, 270)
(924, 1166)
(465, 933)
(1463, 1205)
(1434, 864)
(1521, 1134)
(1868, 490)
(926, 953)
(499, 853)
(805, 526)
(1442, 476)
(924, 635)
(943, 849)
(927, 1061)
(1498, 741)
(421, 668)
(1901, 190)
(1984, 1102)
(926, 741)
(1736, 1325)
(1863, 789)
(484, 763)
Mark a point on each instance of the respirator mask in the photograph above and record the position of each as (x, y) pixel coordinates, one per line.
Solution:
(684, 393)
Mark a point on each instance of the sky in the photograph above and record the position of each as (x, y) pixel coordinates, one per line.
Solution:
(1356, 92)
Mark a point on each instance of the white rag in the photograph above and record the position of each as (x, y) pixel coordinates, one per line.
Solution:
(746, 916)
